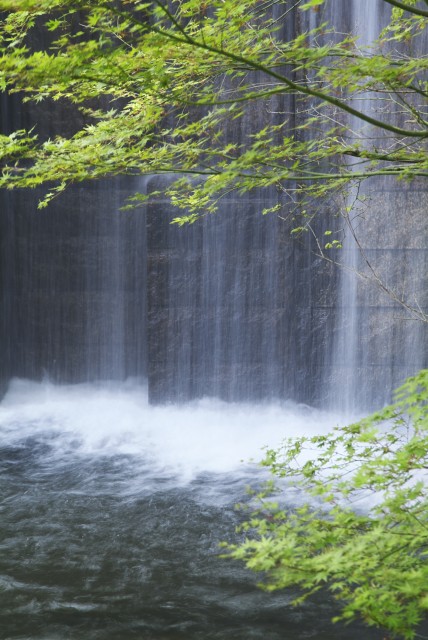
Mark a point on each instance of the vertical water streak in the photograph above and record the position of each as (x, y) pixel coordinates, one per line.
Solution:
(365, 22)
(377, 342)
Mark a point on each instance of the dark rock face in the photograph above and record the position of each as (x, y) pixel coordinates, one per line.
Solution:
(232, 307)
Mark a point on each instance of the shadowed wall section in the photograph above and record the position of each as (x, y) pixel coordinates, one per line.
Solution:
(73, 286)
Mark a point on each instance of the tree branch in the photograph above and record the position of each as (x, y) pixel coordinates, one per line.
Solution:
(401, 5)
(258, 66)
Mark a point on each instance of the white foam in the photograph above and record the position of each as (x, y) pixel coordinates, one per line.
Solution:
(207, 435)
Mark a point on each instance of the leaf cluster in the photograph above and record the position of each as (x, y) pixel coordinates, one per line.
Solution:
(362, 528)
(159, 84)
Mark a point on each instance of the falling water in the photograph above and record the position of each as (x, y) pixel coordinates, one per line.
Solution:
(73, 276)
(232, 307)
(378, 341)
(345, 394)
(216, 300)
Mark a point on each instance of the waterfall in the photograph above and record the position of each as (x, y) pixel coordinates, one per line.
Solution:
(231, 307)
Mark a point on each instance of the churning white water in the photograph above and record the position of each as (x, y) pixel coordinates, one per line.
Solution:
(114, 419)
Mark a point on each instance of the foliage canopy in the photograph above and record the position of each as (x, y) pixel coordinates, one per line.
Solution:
(363, 530)
(158, 83)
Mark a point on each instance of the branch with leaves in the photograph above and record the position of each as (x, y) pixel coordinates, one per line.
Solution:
(362, 530)
(153, 65)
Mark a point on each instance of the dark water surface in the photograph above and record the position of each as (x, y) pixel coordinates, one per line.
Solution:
(112, 532)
